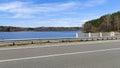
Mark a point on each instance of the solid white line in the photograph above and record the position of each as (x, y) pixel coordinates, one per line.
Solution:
(55, 55)
(54, 45)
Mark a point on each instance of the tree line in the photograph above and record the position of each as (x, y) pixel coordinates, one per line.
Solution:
(12, 29)
(106, 23)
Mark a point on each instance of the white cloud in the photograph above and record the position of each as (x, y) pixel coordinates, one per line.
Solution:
(24, 9)
(9, 6)
(92, 3)
(28, 9)
(53, 7)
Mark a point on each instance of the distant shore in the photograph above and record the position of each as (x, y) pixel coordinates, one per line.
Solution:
(13, 29)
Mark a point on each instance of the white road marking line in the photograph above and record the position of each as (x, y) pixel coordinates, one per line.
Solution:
(55, 55)
(54, 45)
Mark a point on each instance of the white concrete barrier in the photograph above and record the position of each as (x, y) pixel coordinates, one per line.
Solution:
(101, 34)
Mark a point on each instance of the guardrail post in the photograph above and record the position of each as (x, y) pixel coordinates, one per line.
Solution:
(100, 34)
(89, 35)
(77, 35)
(13, 43)
(112, 34)
(32, 42)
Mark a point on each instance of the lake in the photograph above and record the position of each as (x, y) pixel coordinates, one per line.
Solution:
(37, 35)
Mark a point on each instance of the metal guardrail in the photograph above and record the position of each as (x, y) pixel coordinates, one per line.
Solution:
(98, 35)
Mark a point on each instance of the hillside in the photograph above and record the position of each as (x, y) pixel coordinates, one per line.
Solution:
(106, 23)
(12, 29)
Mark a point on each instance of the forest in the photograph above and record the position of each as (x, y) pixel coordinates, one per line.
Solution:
(106, 23)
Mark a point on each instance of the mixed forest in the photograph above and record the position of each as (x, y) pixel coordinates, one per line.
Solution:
(106, 23)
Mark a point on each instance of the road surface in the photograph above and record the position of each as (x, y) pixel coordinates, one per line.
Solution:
(88, 55)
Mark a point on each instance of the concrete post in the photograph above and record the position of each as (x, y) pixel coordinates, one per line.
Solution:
(100, 34)
(76, 35)
(112, 34)
(89, 35)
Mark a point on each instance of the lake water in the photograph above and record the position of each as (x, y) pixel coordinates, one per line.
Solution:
(37, 35)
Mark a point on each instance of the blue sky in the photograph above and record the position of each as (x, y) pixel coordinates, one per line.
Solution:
(53, 13)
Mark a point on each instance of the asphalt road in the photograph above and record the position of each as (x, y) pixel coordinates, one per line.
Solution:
(88, 55)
